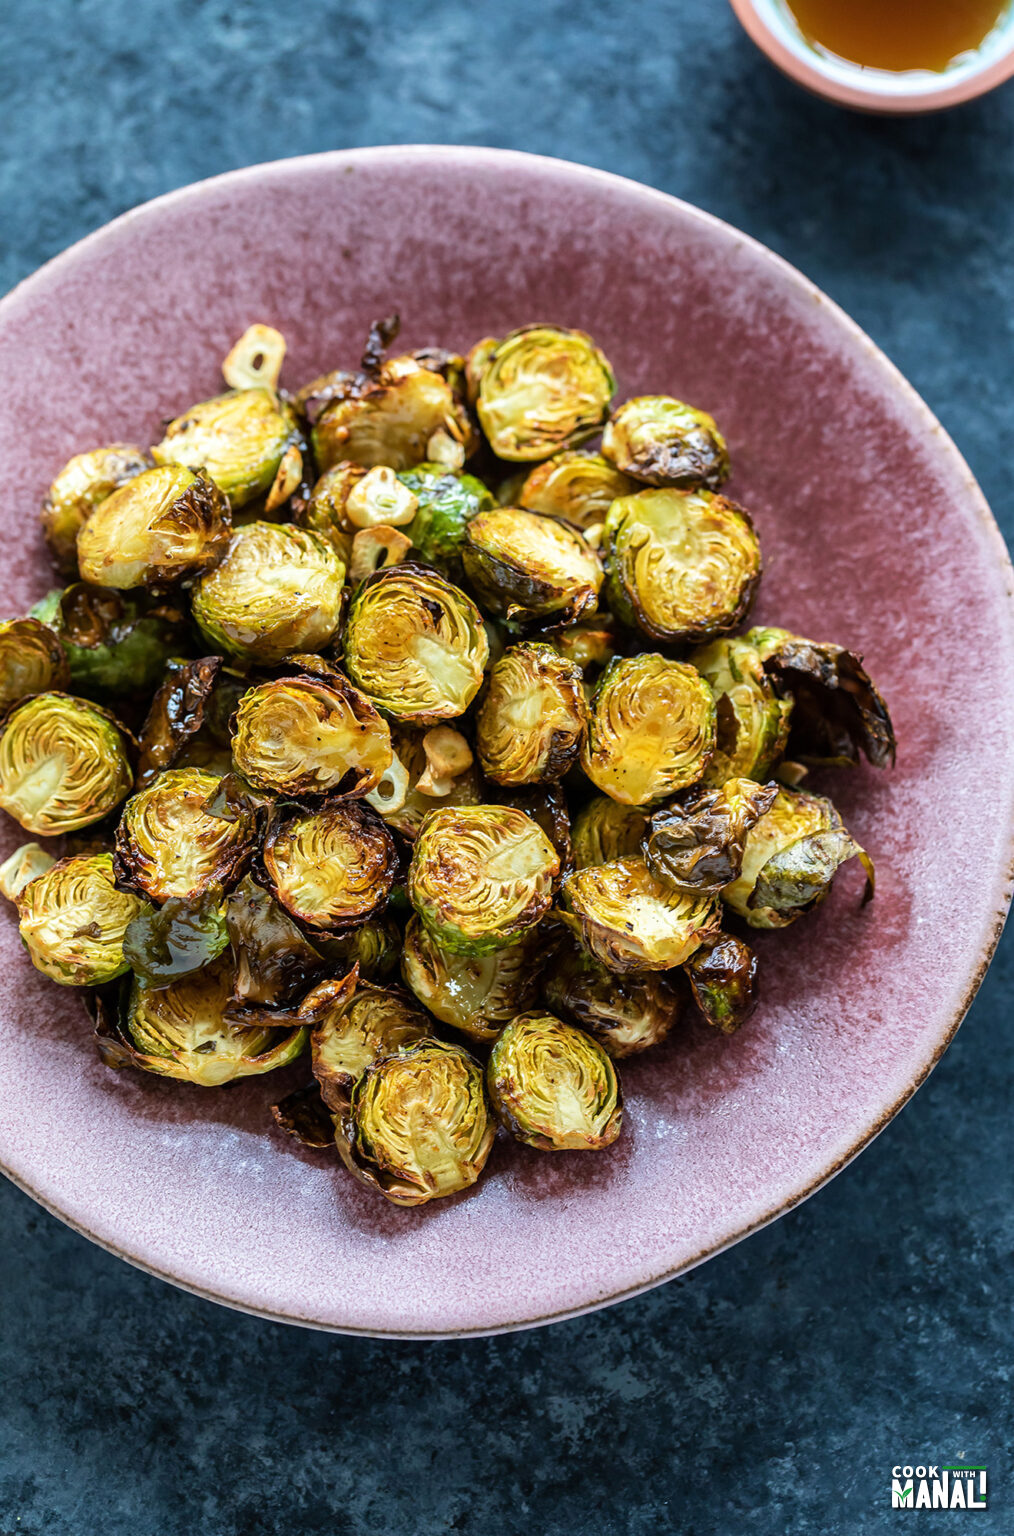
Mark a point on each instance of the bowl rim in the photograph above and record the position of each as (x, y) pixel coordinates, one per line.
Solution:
(480, 156)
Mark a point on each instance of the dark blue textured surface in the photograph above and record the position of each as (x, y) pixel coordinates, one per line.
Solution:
(771, 1391)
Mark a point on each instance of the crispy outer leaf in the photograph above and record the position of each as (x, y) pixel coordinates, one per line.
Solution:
(837, 710)
(723, 979)
(176, 714)
(304, 1115)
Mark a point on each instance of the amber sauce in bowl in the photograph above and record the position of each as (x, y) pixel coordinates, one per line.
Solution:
(897, 35)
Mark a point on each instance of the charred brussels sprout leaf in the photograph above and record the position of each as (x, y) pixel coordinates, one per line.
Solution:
(78, 489)
(310, 736)
(176, 714)
(164, 943)
(304, 1115)
(72, 920)
(163, 525)
(630, 921)
(697, 844)
(681, 565)
(481, 877)
(274, 961)
(466, 788)
(752, 721)
(351, 1033)
(239, 439)
(419, 1125)
(577, 486)
(723, 979)
(836, 710)
(114, 643)
(554, 1087)
(277, 591)
(605, 830)
(533, 716)
(652, 729)
(540, 389)
(447, 501)
(664, 442)
(375, 946)
(64, 764)
(332, 867)
(477, 994)
(32, 660)
(399, 416)
(415, 644)
(169, 843)
(526, 567)
(625, 1014)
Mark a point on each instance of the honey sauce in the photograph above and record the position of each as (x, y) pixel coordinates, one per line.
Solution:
(897, 35)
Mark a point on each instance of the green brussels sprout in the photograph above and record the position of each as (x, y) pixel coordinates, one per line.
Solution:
(165, 524)
(311, 736)
(332, 867)
(481, 877)
(419, 1126)
(239, 439)
(680, 565)
(526, 567)
(176, 714)
(114, 642)
(664, 442)
(605, 830)
(553, 1086)
(25, 864)
(477, 994)
(32, 660)
(72, 920)
(539, 389)
(277, 591)
(352, 1033)
(447, 501)
(64, 764)
(625, 1014)
(78, 489)
(697, 843)
(532, 718)
(723, 980)
(575, 485)
(752, 721)
(164, 943)
(630, 921)
(836, 710)
(415, 644)
(465, 788)
(402, 415)
(790, 860)
(651, 731)
(588, 643)
(170, 843)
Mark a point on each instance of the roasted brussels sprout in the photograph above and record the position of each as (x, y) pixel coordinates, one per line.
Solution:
(419, 1126)
(553, 1086)
(239, 439)
(115, 643)
(526, 567)
(696, 844)
(447, 500)
(752, 721)
(353, 1033)
(403, 414)
(308, 735)
(332, 867)
(605, 830)
(64, 763)
(481, 877)
(277, 591)
(169, 843)
(374, 946)
(575, 485)
(630, 921)
(836, 710)
(681, 565)
(324, 509)
(723, 980)
(32, 660)
(466, 787)
(274, 961)
(25, 864)
(532, 718)
(588, 643)
(540, 389)
(163, 943)
(164, 524)
(651, 731)
(415, 644)
(477, 994)
(625, 1014)
(790, 859)
(72, 920)
(664, 442)
(177, 714)
(78, 489)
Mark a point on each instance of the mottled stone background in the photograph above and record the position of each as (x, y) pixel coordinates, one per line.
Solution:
(771, 1391)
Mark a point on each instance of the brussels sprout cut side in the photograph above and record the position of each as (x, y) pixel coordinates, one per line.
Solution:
(539, 389)
(652, 729)
(553, 1086)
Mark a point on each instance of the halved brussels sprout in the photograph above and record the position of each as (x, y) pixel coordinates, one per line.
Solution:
(332, 867)
(723, 979)
(163, 943)
(554, 1087)
(164, 524)
(277, 591)
(605, 830)
(397, 417)
(25, 864)
(415, 644)
(527, 567)
(114, 642)
(353, 1033)
(664, 442)
(274, 961)
(588, 643)
(477, 994)
(532, 718)
(540, 389)
(625, 1014)
(481, 877)
(575, 485)
(239, 439)
(836, 710)
(447, 500)
(32, 660)
(681, 565)
(176, 714)
(311, 736)
(651, 731)
(697, 843)
(466, 788)
(78, 489)
(72, 920)
(169, 843)
(790, 860)
(752, 721)
(419, 1126)
(630, 921)
(64, 763)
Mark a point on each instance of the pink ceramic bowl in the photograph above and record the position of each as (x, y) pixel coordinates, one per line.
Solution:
(875, 535)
